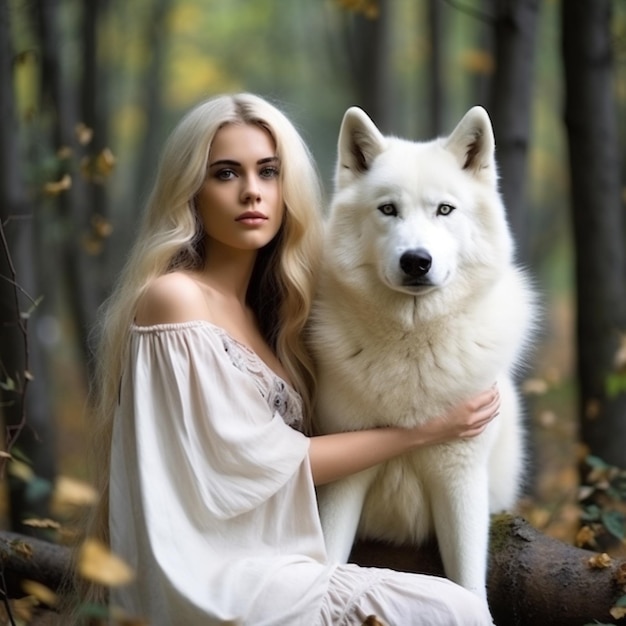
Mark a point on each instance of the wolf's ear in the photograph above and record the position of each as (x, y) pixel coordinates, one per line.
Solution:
(359, 143)
(473, 143)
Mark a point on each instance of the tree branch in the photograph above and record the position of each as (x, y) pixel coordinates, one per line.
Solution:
(13, 431)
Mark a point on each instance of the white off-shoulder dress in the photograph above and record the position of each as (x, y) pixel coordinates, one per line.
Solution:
(212, 500)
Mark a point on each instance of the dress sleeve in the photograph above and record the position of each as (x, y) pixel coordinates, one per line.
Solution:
(201, 425)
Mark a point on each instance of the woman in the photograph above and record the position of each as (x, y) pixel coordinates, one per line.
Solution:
(204, 389)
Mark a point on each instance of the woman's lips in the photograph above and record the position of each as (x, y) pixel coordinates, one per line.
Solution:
(252, 218)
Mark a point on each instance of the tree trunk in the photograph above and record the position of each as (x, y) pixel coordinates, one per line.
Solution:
(435, 67)
(533, 580)
(371, 57)
(24, 401)
(511, 105)
(94, 101)
(76, 205)
(598, 221)
(156, 41)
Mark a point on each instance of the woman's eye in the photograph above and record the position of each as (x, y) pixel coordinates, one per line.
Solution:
(269, 172)
(445, 209)
(388, 209)
(224, 174)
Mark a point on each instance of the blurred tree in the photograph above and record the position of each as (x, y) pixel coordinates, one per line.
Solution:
(56, 123)
(23, 375)
(435, 74)
(598, 221)
(510, 107)
(156, 41)
(88, 249)
(72, 123)
(369, 38)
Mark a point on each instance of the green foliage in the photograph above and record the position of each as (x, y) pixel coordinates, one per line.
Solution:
(8, 384)
(36, 488)
(615, 384)
(603, 499)
(91, 611)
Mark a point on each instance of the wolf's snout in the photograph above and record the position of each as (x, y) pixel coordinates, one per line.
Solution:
(416, 263)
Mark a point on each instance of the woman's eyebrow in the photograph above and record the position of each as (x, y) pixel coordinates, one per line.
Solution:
(224, 162)
(233, 163)
(272, 159)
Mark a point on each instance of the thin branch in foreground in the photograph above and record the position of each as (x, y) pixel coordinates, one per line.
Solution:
(13, 431)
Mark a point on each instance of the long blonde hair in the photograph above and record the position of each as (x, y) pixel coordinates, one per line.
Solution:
(171, 237)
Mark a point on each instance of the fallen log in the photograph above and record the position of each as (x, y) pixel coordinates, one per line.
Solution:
(27, 558)
(534, 580)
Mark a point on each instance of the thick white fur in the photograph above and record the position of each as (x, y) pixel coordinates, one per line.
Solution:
(395, 353)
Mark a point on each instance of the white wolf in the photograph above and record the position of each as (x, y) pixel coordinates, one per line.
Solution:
(420, 306)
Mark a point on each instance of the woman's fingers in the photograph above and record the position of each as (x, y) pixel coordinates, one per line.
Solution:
(484, 415)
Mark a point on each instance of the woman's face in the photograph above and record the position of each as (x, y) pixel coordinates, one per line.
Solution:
(240, 203)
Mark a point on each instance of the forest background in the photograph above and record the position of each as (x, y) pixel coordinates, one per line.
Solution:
(90, 89)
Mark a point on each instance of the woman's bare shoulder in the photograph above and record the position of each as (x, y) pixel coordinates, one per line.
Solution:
(170, 299)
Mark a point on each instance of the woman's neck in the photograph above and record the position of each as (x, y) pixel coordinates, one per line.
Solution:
(229, 273)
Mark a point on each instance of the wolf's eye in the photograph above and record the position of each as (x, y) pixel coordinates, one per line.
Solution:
(388, 209)
(445, 209)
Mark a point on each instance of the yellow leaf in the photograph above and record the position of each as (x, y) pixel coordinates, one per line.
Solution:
(22, 548)
(54, 188)
(617, 612)
(585, 491)
(21, 470)
(35, 522)
(72, 492)
(101, 227)
(40, 592)
(547, 418)
(535, 386)
(98, 564)
(585, 537)
(84, 134)
(97, 168)
(600, 561)
(64, 152)
(92, 245)
(105, 162)
(478, 61)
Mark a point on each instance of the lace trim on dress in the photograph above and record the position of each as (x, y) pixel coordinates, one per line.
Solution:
(277, 393)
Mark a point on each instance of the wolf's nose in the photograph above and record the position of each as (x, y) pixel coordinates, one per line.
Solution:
(416, 262)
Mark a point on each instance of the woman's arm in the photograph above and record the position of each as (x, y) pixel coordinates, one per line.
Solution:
(341, 454)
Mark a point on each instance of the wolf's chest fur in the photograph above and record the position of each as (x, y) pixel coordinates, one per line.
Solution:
(392, 374)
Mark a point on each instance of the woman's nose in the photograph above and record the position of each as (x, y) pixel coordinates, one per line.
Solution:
(251, 190)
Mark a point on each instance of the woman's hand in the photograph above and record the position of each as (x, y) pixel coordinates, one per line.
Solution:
(341, 454)
(468, 419)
